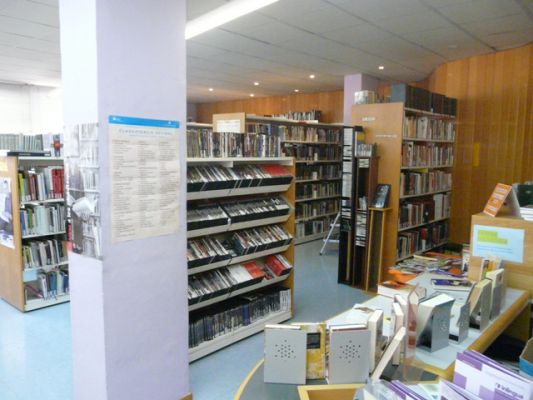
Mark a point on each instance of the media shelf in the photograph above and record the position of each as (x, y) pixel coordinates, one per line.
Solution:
(405, 137)
(230, 181)
(33, 256)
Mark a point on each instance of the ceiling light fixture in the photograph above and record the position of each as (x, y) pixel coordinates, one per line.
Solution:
(296, 90)
(211, 89)
(252, 95)
(311, 76)
(256, 83)
(381, 67)
(223, 14)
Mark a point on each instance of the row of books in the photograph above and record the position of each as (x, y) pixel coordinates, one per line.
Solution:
(213, 249)
(218, 282)
(314, 172)
(216, 177)
(426, 155)
(312, 115)
(210, 323)
(310, 134)
(428, 128)
(226, 213)
(316, 208)
(51, 142)
(312, 153)
(421, 239)
(414, 183)
(48, 285)
(365, 150)
(42, 253)
(313, 227)
(421, 211)
(206, 143)
(41, 183)
(42, 219)
(360, 228)
(422, 99)
(314, 190)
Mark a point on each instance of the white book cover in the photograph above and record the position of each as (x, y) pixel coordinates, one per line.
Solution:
(399, 322)
(349, 354)
(285, 354)
(375, 325)
(389, 353)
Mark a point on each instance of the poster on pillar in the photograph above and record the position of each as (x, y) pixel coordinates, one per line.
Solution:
(144, 160)
(83, 194)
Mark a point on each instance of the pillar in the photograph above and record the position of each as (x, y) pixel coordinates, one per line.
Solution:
(128, 306)
(354, 83)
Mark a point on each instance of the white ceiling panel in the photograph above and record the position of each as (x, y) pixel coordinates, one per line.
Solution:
(396, 49)
(26, 28)
(480, 10)
(195, 49)
(35, 12)
(274, 32)
(358, 33)
(248, 22)
(508, 24)
(292, 9)
(436, 39)
(324, 20)
(417, 22)
(195, 8)
(504, 41)
(374, 10)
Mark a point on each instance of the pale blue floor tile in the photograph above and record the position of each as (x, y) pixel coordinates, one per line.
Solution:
(35, 348)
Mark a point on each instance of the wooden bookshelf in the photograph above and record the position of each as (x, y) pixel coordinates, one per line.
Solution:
(385, 124)
(13, 274)
(287, 222)
(289, 146)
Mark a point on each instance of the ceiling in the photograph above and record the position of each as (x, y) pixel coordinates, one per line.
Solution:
(283, 43)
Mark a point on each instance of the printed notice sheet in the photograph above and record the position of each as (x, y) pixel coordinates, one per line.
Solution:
(145, 169)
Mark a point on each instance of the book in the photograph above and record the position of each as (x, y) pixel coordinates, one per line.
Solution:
(451, 391)
(392, 288)
(388, 354)
(502, 197)
(397, 322)
(488, 379)
(480, 301)
(459, 321)
(285, 354)
(349, 354)
(463, 285)
(381, 196)
(375, 326)
(498, 290)
(316, 348)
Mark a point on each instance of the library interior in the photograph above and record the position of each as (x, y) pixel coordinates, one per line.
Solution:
(266, 199)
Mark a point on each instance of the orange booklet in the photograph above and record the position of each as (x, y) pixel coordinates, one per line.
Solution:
(497, 199)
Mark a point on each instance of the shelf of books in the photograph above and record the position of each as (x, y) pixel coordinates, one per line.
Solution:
(33, 253)
(240, 250)
(417, 157)
(316, 149)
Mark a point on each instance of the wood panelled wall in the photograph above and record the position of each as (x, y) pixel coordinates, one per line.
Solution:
(330, 103)
(494, 127)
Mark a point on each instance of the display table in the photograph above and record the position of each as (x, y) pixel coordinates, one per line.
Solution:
(514, 316)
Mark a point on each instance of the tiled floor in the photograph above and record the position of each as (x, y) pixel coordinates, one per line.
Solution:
(35, 348)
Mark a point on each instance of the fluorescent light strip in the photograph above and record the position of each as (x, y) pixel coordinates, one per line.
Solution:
(223, 14)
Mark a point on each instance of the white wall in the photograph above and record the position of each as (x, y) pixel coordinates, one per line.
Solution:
(27, 108)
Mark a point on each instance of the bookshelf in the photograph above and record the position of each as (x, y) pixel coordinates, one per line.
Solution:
(34, 272)
(416, 150)
(316, 148)
(243, 192)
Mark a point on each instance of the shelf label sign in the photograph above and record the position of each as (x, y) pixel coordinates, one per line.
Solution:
(506, 243)
(145, 179)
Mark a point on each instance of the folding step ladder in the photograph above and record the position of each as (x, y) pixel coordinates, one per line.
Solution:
(334, 230)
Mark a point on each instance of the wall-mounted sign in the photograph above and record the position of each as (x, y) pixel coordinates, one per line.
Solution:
(506, 243)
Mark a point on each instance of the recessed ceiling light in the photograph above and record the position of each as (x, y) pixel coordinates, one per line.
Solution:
(256, 83)
(252, 95)
(381, 67)
(223, 14)
(211, 89)
(311, 76)
(296, 90)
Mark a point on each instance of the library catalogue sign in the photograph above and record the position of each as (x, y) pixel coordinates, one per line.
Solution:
(145, 177)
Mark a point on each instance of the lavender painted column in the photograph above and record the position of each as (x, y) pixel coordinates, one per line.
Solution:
(129, 309)
(352, 84)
